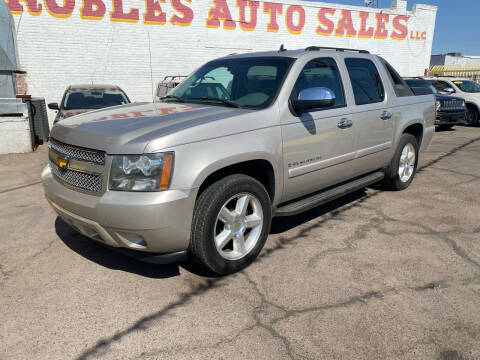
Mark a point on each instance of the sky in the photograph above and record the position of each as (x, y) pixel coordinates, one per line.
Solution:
(457, 28)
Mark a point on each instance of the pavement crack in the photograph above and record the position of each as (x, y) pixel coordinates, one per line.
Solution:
(6, 273)
(20, 187)
(143, 323)
(377, 223)
(448, 154)
(279, 312)
(351, 243)
(455, 172)
(262, 322)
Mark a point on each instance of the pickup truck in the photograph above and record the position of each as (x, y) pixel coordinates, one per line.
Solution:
(200, 174)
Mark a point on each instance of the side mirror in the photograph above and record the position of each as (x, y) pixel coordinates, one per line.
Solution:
(314, 98)
(449, 90)
(53, 106)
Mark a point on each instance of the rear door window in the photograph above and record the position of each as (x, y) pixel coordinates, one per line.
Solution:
(400, 87)
(366, 82)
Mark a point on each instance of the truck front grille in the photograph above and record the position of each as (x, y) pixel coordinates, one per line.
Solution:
(453, 105)
(77, 168)
(78, 153)
(87, 182)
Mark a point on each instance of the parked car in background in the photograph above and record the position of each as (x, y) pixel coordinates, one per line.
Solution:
(168, 83)
(466, 89)
(79, 99)
(244, 138)
(450, 110)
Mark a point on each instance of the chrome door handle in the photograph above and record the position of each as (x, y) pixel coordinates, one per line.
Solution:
(386, 115)
(345, 124)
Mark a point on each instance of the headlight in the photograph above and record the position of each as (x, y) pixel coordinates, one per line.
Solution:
(439, 105)
(143, 173)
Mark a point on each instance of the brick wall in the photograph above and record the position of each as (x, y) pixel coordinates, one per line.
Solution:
(58, 51)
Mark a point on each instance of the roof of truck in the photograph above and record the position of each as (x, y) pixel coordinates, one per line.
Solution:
(451, 78)
(294, 53)
(92, 87)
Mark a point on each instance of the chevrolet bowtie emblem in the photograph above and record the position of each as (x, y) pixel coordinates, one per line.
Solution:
(62, 162)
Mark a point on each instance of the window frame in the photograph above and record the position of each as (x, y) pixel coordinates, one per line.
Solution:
(399, 85)
(342, 83)
(379, 76)
(442, 81)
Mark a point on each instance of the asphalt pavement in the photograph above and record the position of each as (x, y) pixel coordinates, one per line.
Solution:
(374, 275)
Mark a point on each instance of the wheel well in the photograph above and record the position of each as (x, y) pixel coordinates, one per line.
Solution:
(261, 170)
(415, 130)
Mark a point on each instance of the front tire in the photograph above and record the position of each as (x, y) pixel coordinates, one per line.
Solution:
(231, 222)
(471, 118)
(403, 167)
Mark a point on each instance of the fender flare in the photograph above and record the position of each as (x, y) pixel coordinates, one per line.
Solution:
(241, 158)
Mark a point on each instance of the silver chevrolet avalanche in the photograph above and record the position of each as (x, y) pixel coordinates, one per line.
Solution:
(201, 173)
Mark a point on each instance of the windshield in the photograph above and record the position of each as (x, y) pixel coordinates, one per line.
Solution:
(238, 82)
(467, 86)
(80, 99)
(419, 83)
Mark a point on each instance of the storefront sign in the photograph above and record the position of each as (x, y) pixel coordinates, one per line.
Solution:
(244, 15)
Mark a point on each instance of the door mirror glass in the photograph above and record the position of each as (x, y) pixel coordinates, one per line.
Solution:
(314, 98)
(449, 90)
(53, 106)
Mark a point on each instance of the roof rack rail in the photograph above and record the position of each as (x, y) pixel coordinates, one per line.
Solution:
(316, 48)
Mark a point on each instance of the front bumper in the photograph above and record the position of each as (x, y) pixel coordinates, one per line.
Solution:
(148, 222)
(450, 118)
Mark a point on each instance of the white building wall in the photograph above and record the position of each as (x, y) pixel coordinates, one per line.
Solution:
(462, 60)
(57, 52)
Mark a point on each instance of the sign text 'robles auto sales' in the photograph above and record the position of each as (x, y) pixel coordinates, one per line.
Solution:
(329, 21)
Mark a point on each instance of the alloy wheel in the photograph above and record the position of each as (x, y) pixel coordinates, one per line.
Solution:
(238, 226)
(407, 163)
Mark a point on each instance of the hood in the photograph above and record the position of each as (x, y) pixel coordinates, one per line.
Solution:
(446, 97)
(472, 97)
(129, 128)
(69, 113)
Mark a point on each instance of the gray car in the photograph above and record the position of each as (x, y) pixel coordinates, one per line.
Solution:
(243, 139)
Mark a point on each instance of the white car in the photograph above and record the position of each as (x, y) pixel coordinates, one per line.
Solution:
(462, 88)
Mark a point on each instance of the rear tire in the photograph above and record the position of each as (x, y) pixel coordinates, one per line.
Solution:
(403, 167)
(231, 222)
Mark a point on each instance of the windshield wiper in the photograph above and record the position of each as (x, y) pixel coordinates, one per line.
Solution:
(172, 97)
(223, 101)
